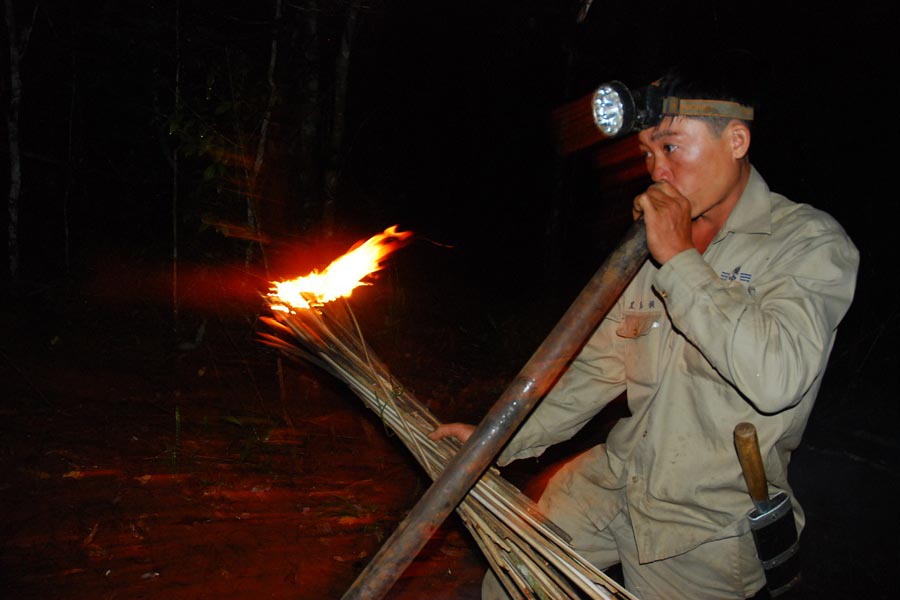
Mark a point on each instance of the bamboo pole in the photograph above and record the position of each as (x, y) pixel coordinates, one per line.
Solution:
(507, 414)
(506, 525)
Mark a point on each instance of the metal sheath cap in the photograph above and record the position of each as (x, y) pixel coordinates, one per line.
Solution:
(780, 506)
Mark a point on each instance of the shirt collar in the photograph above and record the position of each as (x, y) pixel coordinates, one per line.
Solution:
(753, 211)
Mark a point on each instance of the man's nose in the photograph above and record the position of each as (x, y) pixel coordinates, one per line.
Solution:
(660, 171)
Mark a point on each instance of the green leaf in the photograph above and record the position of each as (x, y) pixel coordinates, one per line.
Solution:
(233, 420)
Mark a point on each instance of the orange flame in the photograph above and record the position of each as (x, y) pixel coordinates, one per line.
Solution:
(341, 277)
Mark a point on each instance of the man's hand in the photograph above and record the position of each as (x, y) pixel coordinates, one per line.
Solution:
(667, 215)
(460, 431)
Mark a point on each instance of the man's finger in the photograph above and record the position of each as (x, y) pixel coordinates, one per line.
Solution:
(461, 431)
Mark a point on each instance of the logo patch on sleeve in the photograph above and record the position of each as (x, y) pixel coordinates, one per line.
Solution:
(735, 275)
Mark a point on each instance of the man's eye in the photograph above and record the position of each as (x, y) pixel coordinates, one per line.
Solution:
(669, 148)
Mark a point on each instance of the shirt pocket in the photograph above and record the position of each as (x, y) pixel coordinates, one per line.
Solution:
(636, 325)
(641, 333)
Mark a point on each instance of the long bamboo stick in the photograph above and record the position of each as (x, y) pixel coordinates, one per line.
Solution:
(505, 524)
(507, 414)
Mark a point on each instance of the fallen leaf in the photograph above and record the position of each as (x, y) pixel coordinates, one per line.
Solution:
(90, 538)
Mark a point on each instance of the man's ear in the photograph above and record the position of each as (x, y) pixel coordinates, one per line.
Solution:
(739, 136)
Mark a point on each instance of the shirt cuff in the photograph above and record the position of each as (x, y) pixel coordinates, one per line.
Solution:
(680, 277)
(508, 456)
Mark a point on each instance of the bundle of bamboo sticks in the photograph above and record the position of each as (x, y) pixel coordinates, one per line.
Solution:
(531, 556)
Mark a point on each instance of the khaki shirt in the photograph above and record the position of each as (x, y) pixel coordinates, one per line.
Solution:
(742, 333)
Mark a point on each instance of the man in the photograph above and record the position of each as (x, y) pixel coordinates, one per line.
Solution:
(732, 320)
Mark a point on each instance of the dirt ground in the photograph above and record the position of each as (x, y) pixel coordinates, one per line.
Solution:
(136, 468)
(129, 471)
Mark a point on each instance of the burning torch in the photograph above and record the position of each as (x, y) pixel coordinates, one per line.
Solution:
(531, 556)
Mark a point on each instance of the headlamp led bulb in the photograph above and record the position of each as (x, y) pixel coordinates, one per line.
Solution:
(612, 108)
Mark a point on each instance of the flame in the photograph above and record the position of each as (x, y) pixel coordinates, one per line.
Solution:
(341, 277)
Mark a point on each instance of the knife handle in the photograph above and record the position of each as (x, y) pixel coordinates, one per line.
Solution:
(747, 446)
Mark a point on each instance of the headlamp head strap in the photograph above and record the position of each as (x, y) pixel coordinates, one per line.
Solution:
(672, 106)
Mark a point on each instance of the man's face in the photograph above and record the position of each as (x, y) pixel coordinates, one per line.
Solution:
(702, 166)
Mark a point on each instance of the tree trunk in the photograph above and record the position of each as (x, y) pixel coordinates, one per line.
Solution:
(69, 168)
(341, 78)
(270, 104)
(558, 212)
(15, 160)
(311, 114)
(253, 213)
(177, 110)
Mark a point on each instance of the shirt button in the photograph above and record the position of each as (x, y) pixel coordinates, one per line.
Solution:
(644, 434)
(664, 294)
(634, 479)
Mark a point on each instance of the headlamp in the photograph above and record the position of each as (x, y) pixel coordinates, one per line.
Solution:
(617, 110)
(613, 108)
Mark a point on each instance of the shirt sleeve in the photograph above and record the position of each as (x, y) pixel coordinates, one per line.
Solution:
(593, 379)
(769, 339)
